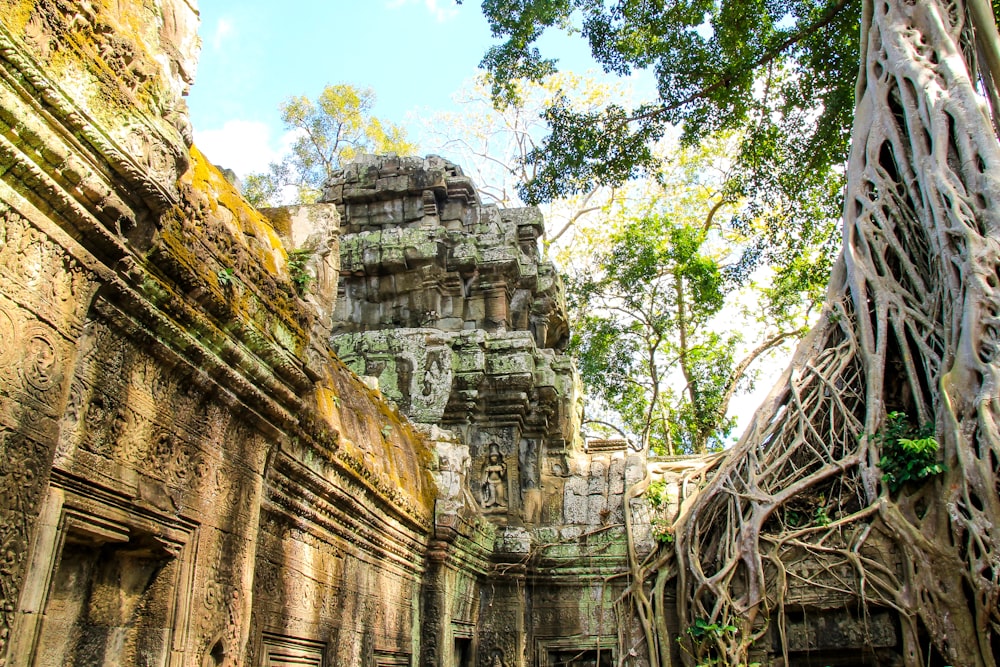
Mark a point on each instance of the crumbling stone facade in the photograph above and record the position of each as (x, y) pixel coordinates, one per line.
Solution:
(445, 303)
(188, 474)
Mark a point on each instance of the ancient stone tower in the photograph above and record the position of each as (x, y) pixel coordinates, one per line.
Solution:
(447, 306)
(446, 303)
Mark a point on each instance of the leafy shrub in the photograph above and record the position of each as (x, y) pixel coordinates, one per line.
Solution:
(656, 494)
(909, 454)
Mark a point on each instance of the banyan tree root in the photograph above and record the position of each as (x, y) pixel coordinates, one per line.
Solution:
(911, 325)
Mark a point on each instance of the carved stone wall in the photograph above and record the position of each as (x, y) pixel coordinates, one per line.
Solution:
(188, 475)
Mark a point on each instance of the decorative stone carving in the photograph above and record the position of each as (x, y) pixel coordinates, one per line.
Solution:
(447, 303)
(494, 480)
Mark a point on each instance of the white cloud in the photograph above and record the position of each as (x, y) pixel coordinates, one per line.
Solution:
(244, 146)
(441, 10)
(224, 29)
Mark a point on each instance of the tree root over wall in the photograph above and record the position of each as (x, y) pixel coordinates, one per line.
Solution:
(911, 324)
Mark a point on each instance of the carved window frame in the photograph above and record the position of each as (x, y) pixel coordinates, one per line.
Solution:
(107, 518)
(283, 650)
(543, 645)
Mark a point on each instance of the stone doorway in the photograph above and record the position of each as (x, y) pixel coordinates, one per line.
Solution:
(463, 652)
(109, 585)
(106, 602)
(580, 658)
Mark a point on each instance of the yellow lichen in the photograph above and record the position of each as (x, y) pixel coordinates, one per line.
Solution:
(15, 14)
(206, 177)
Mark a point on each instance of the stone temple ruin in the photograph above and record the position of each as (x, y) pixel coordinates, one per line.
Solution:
(203, 464)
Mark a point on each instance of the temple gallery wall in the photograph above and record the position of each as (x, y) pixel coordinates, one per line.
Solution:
(203, 464)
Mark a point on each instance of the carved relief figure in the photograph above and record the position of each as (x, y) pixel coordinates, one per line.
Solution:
(432, 377)
(494, 479)
(531, 492)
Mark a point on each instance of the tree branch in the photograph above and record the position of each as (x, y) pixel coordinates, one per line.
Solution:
(740, 369)
(760, 62)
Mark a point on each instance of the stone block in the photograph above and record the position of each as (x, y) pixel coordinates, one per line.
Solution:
(392, 258)
(635, 469)
(570, 532)
(575, 508)
(475, 310)
(597, 509)
(386, 213)
(838, 631)
(616, 475)
(597, 480)
(449, 323)
(576, 484)
(371, 258)
(616, 506)
(413, 208)
(356, 211)
(420, 252)
(513, 540)
(453, 210)
(510, 364)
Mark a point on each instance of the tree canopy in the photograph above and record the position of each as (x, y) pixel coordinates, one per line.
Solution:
(873, 464)
(642, 339)
(781, 72)
(666, 326)
(328, 131)
(492, 145)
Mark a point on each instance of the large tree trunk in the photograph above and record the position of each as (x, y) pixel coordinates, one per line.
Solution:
(912, 324)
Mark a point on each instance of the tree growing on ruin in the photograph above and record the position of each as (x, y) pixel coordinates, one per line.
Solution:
(910, 325)
(328, 131)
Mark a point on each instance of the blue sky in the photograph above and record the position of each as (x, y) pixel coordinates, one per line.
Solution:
(414, 53)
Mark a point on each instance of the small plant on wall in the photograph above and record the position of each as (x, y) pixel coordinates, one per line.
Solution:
(227, 278)
(909, 454)
(297, 261)
(659, 498)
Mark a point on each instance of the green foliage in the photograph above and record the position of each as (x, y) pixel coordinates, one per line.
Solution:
(820, 516)
(262, 190)
(656, 494)
(705, 635)
(909, 454)
(297, 261)
(702, 629)
(641, 334)
(386, 430)
(780, 73)
(658, 499)
(226, 277)
(807, 509)
(329, 131)
(663, 531)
